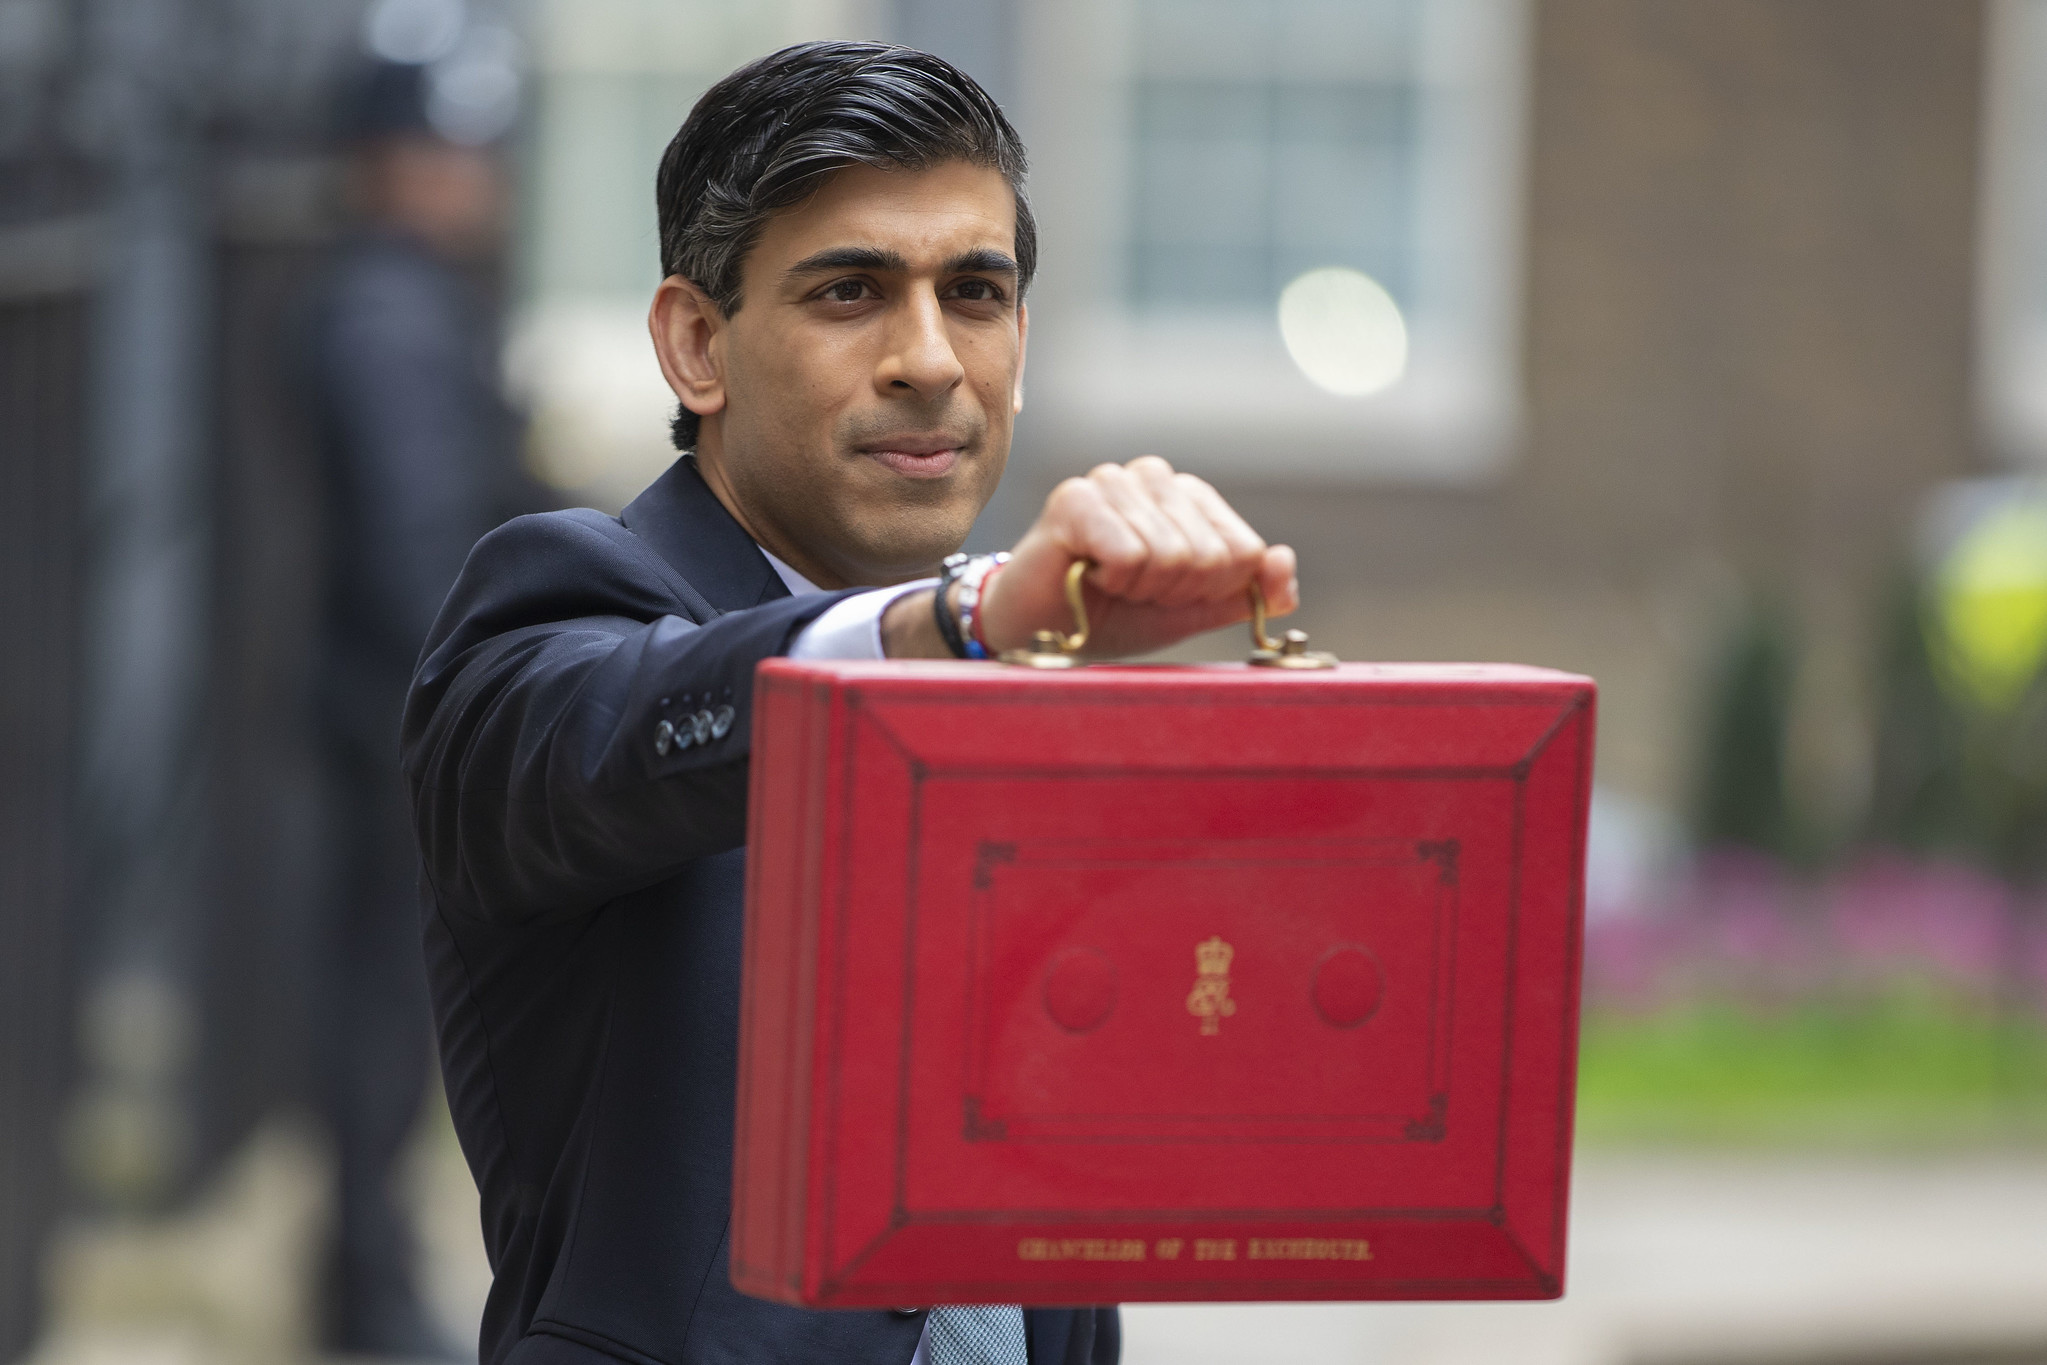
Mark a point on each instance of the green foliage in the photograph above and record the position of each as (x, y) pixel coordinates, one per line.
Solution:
(1955, 776)
(1742, 799)
(1920, 798)
(1990, 599)
(1913, 1068)
(2007, 763)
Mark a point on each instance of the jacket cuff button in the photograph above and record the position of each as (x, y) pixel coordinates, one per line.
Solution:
(664, 738)
(721, 722)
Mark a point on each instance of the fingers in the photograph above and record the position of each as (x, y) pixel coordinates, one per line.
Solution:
(1091, 528)
(1279, 577)
(1211, 568)
(1170, 554)
(1185, 544)
(1163, 560)
(1245, 545)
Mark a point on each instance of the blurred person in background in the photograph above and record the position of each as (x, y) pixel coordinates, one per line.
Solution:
(398, 356)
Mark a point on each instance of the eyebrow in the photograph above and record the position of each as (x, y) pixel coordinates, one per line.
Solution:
(849, 258)
(979, 261)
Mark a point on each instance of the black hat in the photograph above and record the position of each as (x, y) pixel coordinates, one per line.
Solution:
(470, 96)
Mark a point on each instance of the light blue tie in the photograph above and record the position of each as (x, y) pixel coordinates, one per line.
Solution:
(985, 1335)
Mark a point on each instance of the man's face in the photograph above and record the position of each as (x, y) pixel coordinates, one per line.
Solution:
(870, 377)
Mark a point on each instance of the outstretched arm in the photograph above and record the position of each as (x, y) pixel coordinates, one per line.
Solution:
(544, 783)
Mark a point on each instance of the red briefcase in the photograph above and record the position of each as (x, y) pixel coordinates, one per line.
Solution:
(1161, 982)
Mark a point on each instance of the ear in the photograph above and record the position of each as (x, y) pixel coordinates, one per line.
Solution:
(689, 340)
(1023, 335)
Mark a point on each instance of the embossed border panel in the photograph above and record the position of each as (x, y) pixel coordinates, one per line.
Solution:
(1166, 1051)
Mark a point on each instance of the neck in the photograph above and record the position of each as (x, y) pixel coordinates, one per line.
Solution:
(711, 465)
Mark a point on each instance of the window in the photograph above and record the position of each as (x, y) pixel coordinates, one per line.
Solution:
(1268, 139)
(1198, 161)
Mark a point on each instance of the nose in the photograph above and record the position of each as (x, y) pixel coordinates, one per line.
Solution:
(919, 355)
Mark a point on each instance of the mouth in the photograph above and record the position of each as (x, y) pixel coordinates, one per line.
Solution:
(915, 457)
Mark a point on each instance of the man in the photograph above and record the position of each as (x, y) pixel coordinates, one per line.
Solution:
(419, 459)
(846, 249)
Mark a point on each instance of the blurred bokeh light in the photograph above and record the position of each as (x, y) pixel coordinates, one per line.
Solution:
(1344, 330)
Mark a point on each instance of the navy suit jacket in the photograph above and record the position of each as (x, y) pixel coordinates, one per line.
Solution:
(583, 935)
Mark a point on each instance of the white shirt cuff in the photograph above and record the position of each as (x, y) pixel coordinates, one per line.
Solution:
(851, 627)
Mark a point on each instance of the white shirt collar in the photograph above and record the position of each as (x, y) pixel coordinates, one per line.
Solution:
(798, 585)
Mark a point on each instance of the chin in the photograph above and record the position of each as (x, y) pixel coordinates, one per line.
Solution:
(914, 550)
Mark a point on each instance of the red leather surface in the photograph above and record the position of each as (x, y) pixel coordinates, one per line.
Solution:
(1159, 983)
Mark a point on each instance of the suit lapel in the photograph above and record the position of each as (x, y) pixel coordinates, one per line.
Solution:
(682, 519)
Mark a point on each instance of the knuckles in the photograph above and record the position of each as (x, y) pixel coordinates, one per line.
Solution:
(1173, 560)
(1213, 568)
(1119, 560)
(1070, 494)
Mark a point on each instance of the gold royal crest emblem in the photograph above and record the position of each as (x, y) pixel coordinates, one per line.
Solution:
(1210, 1001)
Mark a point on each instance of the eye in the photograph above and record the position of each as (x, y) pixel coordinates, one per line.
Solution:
(846, 291)
(978, 291)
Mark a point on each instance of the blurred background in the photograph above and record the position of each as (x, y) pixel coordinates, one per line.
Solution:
(1702, 348)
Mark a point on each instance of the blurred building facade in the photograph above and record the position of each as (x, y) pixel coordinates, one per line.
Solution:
(164, 189)
(1746, 242)
(1698, 304)
(1705, 290)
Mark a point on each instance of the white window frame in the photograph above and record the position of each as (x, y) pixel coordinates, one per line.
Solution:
(2011, 274)
(1220, 395)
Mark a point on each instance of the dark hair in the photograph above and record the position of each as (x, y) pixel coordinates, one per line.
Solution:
(766, 136)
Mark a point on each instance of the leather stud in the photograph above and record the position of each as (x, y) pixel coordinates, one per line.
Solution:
(721, 722)
(701, 724)
(1348, 986)
(664, 738)
(1080, 989)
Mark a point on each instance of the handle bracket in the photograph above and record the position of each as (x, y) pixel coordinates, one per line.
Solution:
(1051, 649)
(1290, 650)
(1048, 648)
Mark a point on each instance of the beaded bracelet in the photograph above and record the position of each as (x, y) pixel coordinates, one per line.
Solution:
(973, 584)
(948, 625)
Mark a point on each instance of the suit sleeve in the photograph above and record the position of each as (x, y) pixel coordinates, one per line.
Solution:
(530, 740)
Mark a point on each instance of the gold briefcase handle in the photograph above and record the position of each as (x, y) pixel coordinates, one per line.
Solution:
(1051, 649)
(1048, 648)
